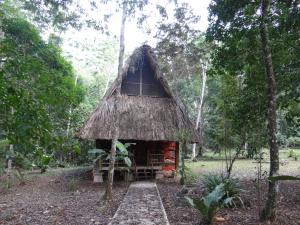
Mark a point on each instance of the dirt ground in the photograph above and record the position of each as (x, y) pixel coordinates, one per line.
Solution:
(179, 213)
(64, 199)
(71, 198)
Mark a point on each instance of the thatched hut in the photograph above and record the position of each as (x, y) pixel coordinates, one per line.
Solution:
(149, 115)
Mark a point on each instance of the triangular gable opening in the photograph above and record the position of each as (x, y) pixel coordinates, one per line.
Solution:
(141, 80)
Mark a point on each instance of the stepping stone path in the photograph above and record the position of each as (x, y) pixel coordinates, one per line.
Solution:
(141, 205)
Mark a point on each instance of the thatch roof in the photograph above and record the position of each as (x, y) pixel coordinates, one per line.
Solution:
(142, 117)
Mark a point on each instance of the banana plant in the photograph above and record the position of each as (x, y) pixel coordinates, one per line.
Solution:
(122, 153)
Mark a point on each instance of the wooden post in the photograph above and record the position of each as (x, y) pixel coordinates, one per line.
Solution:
(177, 156)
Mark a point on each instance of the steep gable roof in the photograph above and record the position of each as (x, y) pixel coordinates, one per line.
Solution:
(142, 117)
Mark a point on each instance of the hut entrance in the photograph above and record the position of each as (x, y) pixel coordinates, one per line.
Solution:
(140, 154)
(148, 154)
(153, 157)
(149, 158)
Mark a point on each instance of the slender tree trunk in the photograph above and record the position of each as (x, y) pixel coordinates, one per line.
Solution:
(269, 212)
(111, 168)
(199, 122)
(183, 151)
(122, 39)
(108, 194)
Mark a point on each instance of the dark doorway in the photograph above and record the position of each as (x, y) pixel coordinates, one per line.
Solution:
(141, 153)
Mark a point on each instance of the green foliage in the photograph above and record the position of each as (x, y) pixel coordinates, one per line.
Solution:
(4, 145)
(96, 152)
(42, 162)
(36, 90)
(209, 204)
(230, 186)
(293, 141)
(234, 25)
(190, 176)
(122, 153)
(46, 159)
(180, 50)
(57, 14)
(19, 160)
(291, 153)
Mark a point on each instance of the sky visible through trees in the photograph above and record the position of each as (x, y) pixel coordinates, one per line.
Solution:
(234, 66)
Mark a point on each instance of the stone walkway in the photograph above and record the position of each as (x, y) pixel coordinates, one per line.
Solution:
(141, 205)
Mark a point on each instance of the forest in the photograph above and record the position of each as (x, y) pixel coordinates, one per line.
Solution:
(207, 130)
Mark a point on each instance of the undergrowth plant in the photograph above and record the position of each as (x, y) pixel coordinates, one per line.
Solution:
(292, 154)
(211, 203)
(231, 187)
(122, 154)
(190, 176)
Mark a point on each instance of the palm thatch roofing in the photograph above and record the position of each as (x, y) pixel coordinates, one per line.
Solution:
(141, 117)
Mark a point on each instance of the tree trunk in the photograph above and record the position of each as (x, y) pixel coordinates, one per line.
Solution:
(122, 39)
(108, 193)
(111, 168)
(199, 122)
(269, 211)
(183, 151)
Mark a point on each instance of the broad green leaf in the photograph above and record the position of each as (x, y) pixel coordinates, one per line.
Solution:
(215, 196)
(127, 161)
(190, 201)
(122, 149)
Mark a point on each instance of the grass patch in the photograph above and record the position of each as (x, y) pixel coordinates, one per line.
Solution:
(288, 165)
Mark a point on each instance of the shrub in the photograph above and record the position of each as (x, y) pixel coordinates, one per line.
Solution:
(291, 153)
(231, 186)
(294, 141)
(209, 204)
(190, 176)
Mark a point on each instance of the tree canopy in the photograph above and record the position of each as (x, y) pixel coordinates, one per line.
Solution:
(37, 87)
